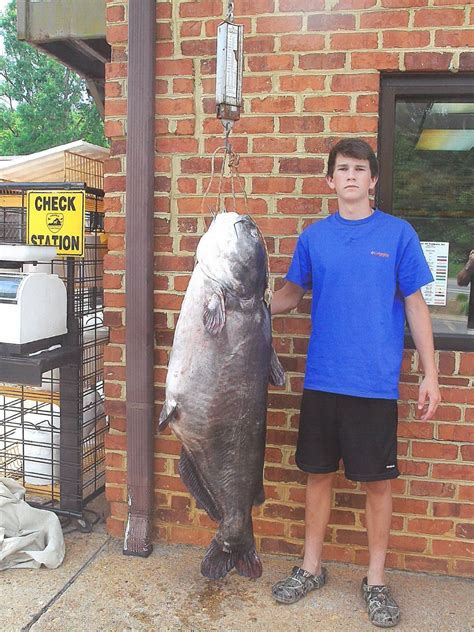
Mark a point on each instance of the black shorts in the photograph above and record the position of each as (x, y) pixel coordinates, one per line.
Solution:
(360, 430)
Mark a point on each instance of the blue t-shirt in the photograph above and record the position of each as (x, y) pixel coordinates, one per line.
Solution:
(359, 272)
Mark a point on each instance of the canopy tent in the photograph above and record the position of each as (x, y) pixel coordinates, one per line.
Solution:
(57, 164)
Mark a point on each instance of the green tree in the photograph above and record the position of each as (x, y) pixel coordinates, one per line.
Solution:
(42, 102)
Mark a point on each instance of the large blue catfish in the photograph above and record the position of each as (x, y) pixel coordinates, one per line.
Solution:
(216, 388)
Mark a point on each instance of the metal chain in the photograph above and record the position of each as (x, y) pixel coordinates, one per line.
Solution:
(230, 11)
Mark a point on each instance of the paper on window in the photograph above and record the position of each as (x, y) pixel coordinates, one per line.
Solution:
(437, 256)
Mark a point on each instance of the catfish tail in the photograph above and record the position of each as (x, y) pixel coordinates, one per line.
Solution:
(247, 563)
(218, 562)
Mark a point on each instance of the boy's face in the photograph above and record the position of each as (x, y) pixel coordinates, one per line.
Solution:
(351, 179)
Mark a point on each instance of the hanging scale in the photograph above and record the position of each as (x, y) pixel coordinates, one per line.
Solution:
(229, 71)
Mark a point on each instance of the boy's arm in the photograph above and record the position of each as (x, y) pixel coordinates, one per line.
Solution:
(287, 298)
(419, 321)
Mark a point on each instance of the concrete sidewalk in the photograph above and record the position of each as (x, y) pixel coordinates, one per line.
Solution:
(99, 589)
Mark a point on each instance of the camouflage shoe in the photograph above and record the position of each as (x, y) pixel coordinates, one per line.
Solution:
(298, 584)
(382, 608)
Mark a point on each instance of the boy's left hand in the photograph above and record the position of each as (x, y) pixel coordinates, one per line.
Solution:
(429, 397)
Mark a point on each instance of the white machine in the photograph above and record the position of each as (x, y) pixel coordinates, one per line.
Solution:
(33, 304)
(32, 307)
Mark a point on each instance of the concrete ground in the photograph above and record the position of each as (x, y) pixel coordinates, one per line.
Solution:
(97, 588)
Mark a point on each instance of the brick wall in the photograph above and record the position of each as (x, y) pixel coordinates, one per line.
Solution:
(312, 75)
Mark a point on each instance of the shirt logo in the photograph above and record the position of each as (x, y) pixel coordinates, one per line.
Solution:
(377, 253)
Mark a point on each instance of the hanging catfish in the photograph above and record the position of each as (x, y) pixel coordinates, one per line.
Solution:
(216, 389)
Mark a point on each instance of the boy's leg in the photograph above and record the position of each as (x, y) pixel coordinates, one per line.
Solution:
(317, 511)
(378, 514)
(310, 575)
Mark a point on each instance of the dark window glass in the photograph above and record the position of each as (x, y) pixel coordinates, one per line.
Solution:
(430, 155)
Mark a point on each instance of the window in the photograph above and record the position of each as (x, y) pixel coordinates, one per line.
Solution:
(426, 153)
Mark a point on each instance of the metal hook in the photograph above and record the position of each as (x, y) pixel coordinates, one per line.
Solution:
(230, 11)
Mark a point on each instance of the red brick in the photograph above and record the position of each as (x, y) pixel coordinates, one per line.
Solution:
(279, 24)
(298, 206)
(406, 39)
(322, 61)
(274, 545)
(375, 59)
(259, 44)
(433, 527)
(453, 549)
(409, 4)
(353, 124)
(456, 472)
(273, 185)
(442, 451)
(301, 165)
(448, 432)
(465, 530)
(353, 5)
(301, 124)
(274, 145)
(428, 61)
(407, 543)
(257, 84)
(467, 452)
(346, 536)
(255, 7)
(410, 505)
(176, 68)
(295, 83)
(368, 103)
(269, 63)
(355, 83)
(438, 17)
(466, 60)
(461, 38)
(354, 41)
(464, 567)
(302, 42)
(198, 48)
(384, 19)
(425, 564)
(432, 488)
(301, 5)
(416, 429)
(466, 366)
(273, 104)
(175, 106)
(329, 23)
(255, 125)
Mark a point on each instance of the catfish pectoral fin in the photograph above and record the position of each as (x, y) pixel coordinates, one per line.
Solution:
(191, 478)
(277, 372)
(214, 313)
(167, 413)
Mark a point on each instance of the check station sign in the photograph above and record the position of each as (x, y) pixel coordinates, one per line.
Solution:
(56, 218)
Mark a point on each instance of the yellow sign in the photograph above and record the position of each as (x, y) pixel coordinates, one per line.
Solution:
(56, 218)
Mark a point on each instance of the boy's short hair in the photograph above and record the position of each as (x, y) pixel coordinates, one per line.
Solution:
(353, 148)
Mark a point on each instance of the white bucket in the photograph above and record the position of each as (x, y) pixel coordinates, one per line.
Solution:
(40, 453)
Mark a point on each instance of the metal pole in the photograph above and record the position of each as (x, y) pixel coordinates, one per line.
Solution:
(140, 276)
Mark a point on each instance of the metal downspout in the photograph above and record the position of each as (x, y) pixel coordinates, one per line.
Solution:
(139, 275)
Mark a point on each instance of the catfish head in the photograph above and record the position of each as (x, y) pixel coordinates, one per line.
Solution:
(233, 254)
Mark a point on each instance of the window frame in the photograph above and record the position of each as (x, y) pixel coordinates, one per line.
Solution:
(393, 86)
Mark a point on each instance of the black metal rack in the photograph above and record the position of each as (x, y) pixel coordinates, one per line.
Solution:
(52, 417)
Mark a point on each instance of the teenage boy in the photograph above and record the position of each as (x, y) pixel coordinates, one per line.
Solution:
(365, 270)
